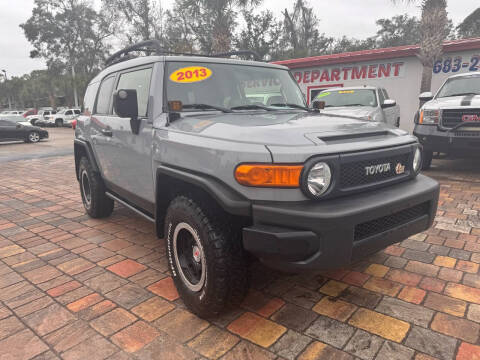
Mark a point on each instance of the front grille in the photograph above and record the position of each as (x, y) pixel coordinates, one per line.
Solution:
(377, 226)
(467, 133)
(355, 174)
(453, 117)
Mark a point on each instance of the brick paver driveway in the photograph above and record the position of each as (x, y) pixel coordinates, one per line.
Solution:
(76, 288)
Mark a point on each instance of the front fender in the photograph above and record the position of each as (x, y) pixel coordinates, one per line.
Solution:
(232, 202)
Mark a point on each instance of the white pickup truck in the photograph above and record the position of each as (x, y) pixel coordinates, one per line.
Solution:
(365, 102)
(63, 117)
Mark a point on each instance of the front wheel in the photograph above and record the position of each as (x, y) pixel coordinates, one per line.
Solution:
(33, 137)
(427, 159)
(92, 189)
(205, 257)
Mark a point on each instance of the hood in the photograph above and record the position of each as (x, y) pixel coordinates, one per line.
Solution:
(472, 101)
(289, 128)
(354, 111)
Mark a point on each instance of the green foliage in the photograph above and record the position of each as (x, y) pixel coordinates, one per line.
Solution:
(470, 27)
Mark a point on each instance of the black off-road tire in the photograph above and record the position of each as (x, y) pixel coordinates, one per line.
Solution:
(92, 190)
(226, 269)
(427, 159)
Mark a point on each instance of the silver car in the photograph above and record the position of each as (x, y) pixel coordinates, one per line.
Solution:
(365, 102)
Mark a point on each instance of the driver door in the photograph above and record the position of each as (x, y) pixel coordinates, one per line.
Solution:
(9, 130)
(126, 157)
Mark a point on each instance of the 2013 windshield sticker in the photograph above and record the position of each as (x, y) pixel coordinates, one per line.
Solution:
(323, 94)
(346, 92)
(191, 74)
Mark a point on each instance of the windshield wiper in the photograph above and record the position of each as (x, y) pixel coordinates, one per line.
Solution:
(354, 105)
(206, 107)
(296, 106)
(462, 94)
(251, 107)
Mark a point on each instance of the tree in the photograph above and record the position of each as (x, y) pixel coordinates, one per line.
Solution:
(136, 20)
(261, 33)
(211, 22)
(470, 26)
(301, 34)
(345, 44)
(70, 32)
(398, 30)
(434, 28)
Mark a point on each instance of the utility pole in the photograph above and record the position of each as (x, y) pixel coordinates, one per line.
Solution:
(6, 85)
(75, 95)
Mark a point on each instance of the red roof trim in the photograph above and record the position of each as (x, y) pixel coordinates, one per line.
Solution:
(377, 54)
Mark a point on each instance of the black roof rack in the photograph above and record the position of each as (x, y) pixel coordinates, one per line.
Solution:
(154, 47)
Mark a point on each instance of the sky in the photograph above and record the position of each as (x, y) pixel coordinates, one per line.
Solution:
(353, 18)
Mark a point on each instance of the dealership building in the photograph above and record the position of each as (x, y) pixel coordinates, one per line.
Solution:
(396, 69)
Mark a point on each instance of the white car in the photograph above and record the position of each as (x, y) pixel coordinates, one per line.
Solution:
(365, 102)
(41, 116)
(63, 117)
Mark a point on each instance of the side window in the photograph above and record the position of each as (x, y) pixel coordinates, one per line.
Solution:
(381, 97)
(76, 112)
(68, 112)
(140, 81)
(89, 99)
(104, 96)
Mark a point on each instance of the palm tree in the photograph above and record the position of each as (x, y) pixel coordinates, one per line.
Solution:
(434, 30)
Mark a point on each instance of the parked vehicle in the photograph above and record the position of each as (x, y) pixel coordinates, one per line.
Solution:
(10, 130)
(13, 118)
(175, 139)
(449, 122)
(40, 116)
(62, 117)
(366, 102)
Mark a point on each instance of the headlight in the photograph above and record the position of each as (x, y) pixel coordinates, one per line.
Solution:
(429, 117)
(417, 160)
(318, 179)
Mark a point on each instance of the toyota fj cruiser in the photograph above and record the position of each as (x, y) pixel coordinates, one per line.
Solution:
(449, 122)
(176, 139)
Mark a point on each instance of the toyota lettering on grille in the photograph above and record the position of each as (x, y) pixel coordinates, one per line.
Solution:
(377, 169)
(470, 118)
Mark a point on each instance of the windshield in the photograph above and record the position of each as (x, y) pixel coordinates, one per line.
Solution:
(357, 97)
(460, 86)
(62, 111)
(228, 87)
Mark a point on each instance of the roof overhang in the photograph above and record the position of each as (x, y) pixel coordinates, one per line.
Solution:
(377, 54)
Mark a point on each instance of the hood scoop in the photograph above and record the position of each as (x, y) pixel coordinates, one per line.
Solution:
(336, 138)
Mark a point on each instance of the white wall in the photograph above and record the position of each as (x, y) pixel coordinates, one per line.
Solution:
(402, 81)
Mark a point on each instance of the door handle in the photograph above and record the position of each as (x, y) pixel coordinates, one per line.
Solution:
(107, 132)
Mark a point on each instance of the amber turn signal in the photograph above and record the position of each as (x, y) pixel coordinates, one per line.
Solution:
(263, 175)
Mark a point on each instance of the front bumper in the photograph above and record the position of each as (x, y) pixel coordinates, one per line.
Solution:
(333, 233)
(456, 141)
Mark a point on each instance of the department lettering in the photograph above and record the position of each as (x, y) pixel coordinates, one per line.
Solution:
(373, 71)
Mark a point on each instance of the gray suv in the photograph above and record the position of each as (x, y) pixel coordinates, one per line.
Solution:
(179, 140)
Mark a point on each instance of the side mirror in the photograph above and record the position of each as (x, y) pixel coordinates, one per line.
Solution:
(426, 96)
(318, 105)
(125, 104)
(388, 103)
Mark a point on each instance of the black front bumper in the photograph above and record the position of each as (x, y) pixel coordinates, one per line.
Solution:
(333, 233)
(452, 141)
